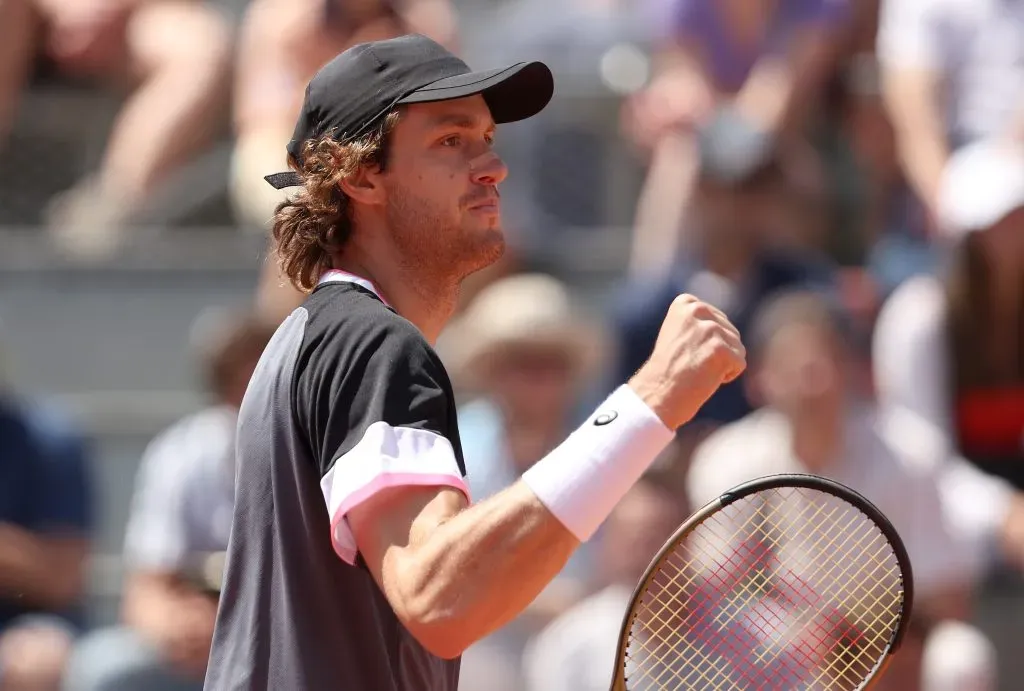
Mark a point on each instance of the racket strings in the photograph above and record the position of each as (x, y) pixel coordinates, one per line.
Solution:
(738, 576)
(799, 591)
(761, 584)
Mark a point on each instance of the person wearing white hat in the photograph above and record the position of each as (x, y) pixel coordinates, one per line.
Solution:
(522, 352)
(523, 349)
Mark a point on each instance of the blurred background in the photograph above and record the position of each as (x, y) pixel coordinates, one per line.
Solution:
(844, 178)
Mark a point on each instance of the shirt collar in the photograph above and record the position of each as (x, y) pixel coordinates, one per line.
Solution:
(339, 276)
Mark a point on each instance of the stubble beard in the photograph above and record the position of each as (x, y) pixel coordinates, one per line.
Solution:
(432, 245)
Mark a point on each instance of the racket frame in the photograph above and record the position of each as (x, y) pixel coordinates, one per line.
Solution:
(762, 484)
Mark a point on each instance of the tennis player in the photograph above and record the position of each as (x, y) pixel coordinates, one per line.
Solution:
(356, 559)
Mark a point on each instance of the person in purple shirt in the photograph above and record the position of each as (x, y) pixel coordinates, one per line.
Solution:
(763, 62)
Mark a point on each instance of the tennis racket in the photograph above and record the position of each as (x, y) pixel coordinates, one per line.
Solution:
(786, 583)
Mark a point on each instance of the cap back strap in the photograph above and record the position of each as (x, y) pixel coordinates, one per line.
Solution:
(280, 181)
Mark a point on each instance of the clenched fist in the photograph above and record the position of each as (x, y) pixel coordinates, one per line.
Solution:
(698, 350)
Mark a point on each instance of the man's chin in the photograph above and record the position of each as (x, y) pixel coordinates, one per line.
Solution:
(488, 252)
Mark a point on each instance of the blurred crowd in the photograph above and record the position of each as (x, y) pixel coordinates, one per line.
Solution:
(843, 178)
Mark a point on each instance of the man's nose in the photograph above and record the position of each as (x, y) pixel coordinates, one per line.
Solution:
(488, 169)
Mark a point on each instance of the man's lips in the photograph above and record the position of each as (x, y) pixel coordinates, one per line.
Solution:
(488, 202)
(491, 204)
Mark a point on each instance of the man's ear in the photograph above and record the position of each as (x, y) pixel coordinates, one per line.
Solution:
(364, 186)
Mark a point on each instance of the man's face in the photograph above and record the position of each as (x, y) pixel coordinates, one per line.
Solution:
(441, 184)
(802, 371)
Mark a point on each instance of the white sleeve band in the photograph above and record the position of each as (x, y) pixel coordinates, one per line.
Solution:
(583, 479)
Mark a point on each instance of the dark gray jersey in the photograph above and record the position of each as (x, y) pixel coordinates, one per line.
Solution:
(348, 399)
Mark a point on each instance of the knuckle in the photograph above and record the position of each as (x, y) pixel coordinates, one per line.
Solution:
(720, 347)
(702, 310)
(682, 304)
(707, 330)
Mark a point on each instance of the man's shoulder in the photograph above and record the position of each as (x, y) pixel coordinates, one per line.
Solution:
(349, 326)
(351, 313)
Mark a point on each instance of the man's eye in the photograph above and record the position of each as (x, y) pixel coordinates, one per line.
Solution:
(451, 141)
(489, 138)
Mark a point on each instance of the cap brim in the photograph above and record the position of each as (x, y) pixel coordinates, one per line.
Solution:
(512, 93)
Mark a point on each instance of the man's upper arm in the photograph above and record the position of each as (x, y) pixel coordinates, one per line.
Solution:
(398, 517)
(384, 432)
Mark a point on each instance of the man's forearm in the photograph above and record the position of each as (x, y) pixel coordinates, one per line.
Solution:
(453, 574)
(482, 567)
(466, 573)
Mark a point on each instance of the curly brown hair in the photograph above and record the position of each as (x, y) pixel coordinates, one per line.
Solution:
(312, 226)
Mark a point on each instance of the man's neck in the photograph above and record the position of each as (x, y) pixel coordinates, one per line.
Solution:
(427, 303)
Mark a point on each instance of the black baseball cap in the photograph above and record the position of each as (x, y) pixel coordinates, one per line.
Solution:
(361, 85)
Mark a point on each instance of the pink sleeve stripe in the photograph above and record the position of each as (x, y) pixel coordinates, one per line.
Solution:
(380, 483)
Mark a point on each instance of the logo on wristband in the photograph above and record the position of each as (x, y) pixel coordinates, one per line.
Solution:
(606, 418)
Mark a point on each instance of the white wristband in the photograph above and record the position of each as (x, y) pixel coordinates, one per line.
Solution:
(583, 479)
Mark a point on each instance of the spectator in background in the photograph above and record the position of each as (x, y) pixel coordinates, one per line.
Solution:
(283, 44)
(45, 520)
(950, 347)
(761, 63)
(523, 354)
(812, 422)
(576, 651)
(732, 265)
(174, 56)
(177, 533)
(952, 74)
